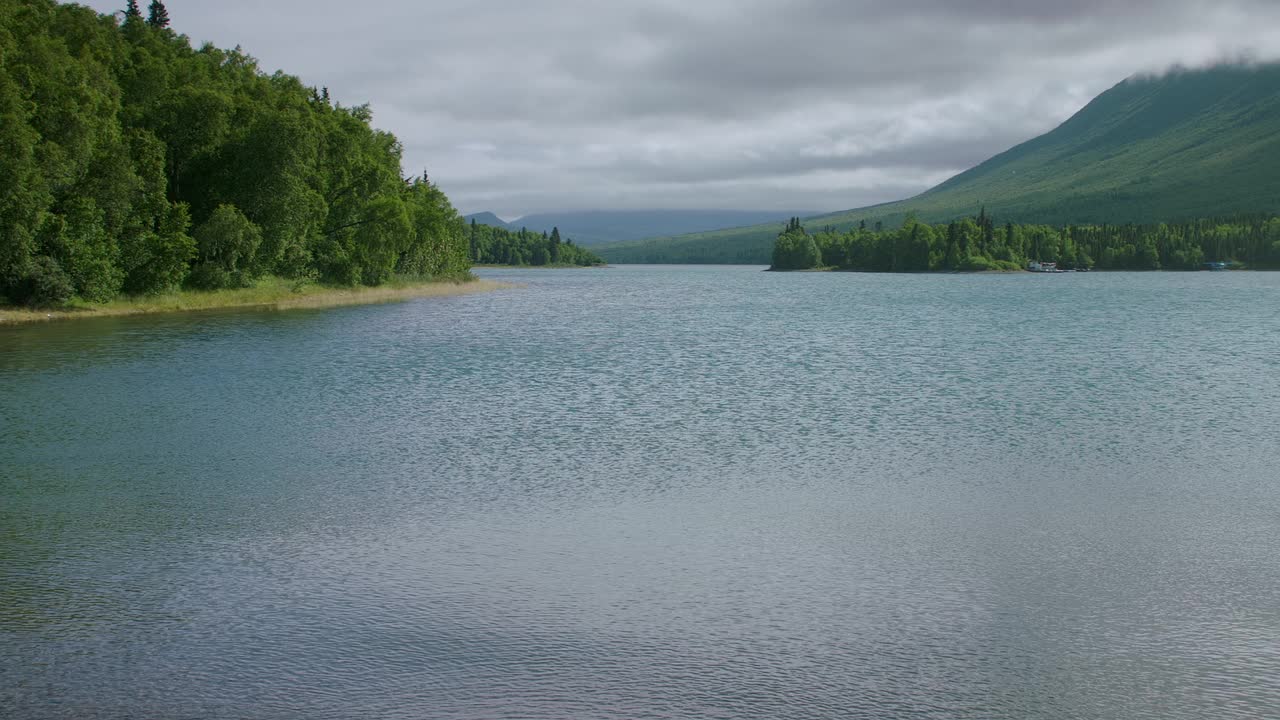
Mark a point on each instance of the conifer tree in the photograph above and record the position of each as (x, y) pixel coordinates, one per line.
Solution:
(132, 13)
(158, 16)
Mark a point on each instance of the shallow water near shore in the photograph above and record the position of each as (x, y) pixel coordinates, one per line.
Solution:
(654, 492)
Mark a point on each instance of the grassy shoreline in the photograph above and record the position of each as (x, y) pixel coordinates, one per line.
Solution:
(269, 293)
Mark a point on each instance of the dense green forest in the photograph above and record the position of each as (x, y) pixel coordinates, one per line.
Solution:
(979, 243)
(1184, 145)
(131, 162)
(500, 246)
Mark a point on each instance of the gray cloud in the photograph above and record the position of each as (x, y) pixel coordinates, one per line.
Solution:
(520, 107)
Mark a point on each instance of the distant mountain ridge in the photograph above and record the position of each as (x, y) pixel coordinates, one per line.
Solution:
(1187, 144)
(594, 227)
(487, 218)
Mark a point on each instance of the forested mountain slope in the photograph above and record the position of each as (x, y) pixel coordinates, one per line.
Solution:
(1187, 144)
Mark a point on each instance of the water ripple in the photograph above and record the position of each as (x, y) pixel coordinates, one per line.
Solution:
(654, 493)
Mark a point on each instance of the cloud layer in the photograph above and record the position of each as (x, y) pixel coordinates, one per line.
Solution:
(520, 107)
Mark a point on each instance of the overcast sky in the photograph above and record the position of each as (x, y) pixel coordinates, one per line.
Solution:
(521, 106)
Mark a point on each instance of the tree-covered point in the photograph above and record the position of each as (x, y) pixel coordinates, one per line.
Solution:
(131, 162)
(979, 243)
(499, 246)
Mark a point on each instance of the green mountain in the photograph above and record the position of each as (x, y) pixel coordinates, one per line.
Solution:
(1187, 144)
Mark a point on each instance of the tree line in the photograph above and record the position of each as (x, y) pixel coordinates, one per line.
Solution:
(979, 243)
(131, 162)
(499, 246)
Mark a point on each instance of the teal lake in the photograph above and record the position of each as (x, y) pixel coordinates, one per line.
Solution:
(654, 492)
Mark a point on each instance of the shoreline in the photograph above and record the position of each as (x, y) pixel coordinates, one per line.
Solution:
(991, 271)
(561, 266)
(269, 293)
(994, 271)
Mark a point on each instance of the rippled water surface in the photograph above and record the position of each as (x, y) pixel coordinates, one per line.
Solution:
(654, 493)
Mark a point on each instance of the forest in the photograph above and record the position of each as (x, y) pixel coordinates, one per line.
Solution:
(979, 243)
(499, 246)
(131, 162)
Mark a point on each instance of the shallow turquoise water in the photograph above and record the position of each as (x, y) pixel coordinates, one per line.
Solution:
(654, 493)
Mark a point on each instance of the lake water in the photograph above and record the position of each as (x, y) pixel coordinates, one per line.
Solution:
(651, 492)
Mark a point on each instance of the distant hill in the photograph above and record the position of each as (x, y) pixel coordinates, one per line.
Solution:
(602, 226)
(486, 218)
(1187, 144)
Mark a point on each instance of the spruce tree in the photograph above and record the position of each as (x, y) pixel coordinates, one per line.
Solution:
(132, 14)
(158, 16)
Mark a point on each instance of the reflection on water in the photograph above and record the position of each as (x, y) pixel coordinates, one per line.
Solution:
(654, 492)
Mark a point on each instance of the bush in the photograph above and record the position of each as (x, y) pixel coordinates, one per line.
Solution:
(83, 250)
(160, 261)
(41, 282)
(228, 244)
(978, 263)
(209, 276)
